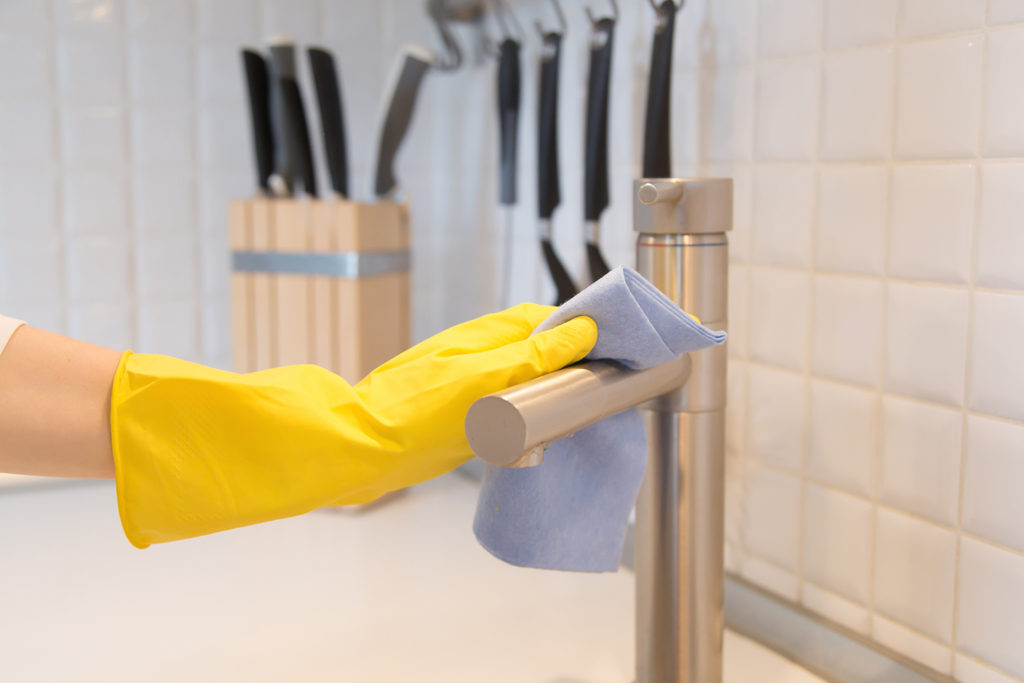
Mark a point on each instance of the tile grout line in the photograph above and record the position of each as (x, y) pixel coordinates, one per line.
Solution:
(888, 163)
(750, 168)
(808, 373)
(919, 517)
(969, 345)
(128, 200)
(883, 280)
(886, 394)
(59, 170)
(200, 333)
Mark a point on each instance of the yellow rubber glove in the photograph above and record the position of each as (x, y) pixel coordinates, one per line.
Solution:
(198, 450)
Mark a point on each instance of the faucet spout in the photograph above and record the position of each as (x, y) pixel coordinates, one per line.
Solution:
(511, 428)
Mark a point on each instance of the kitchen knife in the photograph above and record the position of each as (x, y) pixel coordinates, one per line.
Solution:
(258, 83)
(509, 91)
(412, 66)
(549, 193)
(595, 183)
(298, 134)
(282, 64)
(328, 94)
(657, 160)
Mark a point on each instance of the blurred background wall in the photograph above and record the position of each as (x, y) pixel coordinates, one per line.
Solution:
(876, 427)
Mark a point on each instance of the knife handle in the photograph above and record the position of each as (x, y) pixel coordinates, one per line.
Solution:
(508, 116)
(258, 83)
(414, 66)
(298, 133)
(282, 65)
(596, 263)
(657, 143)
(548, 189)
(595, 179)
(565, 289)
(328, 94)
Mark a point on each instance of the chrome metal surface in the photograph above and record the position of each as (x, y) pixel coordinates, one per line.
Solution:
(679, 541)
(679, 549)
(511, 428)
(703, 206)
(692, 270)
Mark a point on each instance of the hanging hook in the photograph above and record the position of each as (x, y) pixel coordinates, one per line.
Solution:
(452, 58)
(561, 20)
(500, 11)
(593, 20)
(658, 9)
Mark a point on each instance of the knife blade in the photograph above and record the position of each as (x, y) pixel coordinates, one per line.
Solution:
(595, 177)
(657, 161)
(407, 77)
(328, 93)
(549, 191)
(258, 85)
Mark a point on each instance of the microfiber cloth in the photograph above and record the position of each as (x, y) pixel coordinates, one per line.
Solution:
(572, 511)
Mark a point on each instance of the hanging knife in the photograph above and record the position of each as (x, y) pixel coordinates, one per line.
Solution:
(548, 188)
(258, 82)
(295, 155)
(332, 121)
(595, 183)
(657, 145)
(413, 64)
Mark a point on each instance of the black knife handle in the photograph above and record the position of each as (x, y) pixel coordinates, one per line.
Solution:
(508, 116)
(332, 120)
(598, 266)
(396, 122)
(298, 132)
(258, 82)
(657, 161)
(595, 179)
(282, 65)
(564, 287)
(549, 192)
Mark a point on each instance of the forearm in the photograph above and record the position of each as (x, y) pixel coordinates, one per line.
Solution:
(55, 406)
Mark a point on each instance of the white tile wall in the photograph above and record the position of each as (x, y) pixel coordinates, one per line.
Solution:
(932, 205)
(878, 284)
(882, 347)
(843, 437)
(837, 542)
(856, 105)
(938, 88)
(993, 480)
(990, 614)
(921, 454)
(926, 342)
(851, 225)
(915, 567)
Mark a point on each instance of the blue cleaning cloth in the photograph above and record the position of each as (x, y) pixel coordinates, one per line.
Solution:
(572, 511)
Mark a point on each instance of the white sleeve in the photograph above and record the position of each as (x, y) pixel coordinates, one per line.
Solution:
(7, 328)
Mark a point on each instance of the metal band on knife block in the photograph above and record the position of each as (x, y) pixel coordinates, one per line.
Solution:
(345, 264)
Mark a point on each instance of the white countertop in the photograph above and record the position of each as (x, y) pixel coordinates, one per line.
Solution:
(401, 592)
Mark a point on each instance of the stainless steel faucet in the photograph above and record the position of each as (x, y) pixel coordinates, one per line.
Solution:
(682, 249)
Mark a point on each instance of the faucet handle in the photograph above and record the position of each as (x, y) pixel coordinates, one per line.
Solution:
(512, 427)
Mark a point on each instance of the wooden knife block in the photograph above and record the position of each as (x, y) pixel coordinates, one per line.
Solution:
(322, 282)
